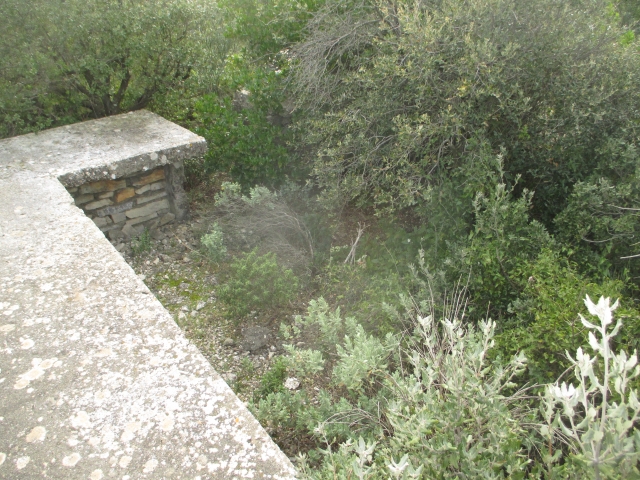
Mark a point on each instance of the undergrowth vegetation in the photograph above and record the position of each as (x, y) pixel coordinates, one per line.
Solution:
(438, 184)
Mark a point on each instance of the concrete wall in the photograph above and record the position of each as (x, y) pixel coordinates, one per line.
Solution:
(96, 379)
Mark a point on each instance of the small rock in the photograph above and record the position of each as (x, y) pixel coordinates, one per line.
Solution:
(156, 261)
(272, 348)
(300, 344)
(158, 235)
(120, 247)
(186, 259)
(200, 306)
(165, 241)
(254, 338)
(228, 342)
(185, 308)
(194, 313)
(184, 286)
(142, 276)
(271, 354)
(182, 316)
(291, 383)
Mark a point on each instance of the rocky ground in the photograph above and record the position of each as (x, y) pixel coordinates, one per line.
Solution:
(171, 264)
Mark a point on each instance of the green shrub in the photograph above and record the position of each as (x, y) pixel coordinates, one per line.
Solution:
(430, 403)
(213, 244)
(257, 282)
(264, 219)
(273, 380)
(544, 323)
(64, 61)
(401, 99)
(244, 139)
(142, 243)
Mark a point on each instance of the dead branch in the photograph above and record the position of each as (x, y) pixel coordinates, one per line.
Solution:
(351, 258)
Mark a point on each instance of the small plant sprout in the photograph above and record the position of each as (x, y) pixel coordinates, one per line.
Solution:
(596, 417)
(213, 243)
(142, 243)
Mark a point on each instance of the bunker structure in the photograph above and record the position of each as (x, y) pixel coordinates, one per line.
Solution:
(96, 379)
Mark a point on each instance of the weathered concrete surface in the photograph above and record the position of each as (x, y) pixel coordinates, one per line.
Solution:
(96, 379)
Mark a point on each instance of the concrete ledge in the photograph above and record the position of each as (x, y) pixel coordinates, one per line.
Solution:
(96, 379)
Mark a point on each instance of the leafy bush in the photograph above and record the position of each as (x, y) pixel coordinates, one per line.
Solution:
(544, 322)
(273, 380)
(257, 282)
(142, 243)
(601, 222)
(240, 124)
(403, 99)
(429, 403)
(68, 60)
(214, 244)
(503, 243)
(433, 407)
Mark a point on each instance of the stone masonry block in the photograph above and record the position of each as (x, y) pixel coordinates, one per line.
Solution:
(152, 177)
(80, 199)
(118, 217)
(115, 234)
(114, 209)
(98, 204)
(150, 187)
(101, 221)
(167, 218)
(130, 231)
(103, 186)
(151, 198)
(136, 221)
(147, 209)
(105, 195)
(124, 194)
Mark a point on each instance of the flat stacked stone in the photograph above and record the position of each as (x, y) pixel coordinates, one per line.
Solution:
(125, 207)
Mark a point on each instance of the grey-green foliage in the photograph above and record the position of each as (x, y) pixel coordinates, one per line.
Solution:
(430, 405)
(264, 219)
(257, 282)
(213, 243)
(66, 60)
(597, 418)
(601, 219)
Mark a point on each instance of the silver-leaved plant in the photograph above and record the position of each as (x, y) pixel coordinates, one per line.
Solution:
(596, 417)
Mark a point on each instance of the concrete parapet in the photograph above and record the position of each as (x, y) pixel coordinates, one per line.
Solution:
(96, 379)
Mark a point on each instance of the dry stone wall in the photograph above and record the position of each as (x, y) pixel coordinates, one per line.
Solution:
(124, 207)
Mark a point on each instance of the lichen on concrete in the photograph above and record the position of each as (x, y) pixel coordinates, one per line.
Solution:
(96, 379)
